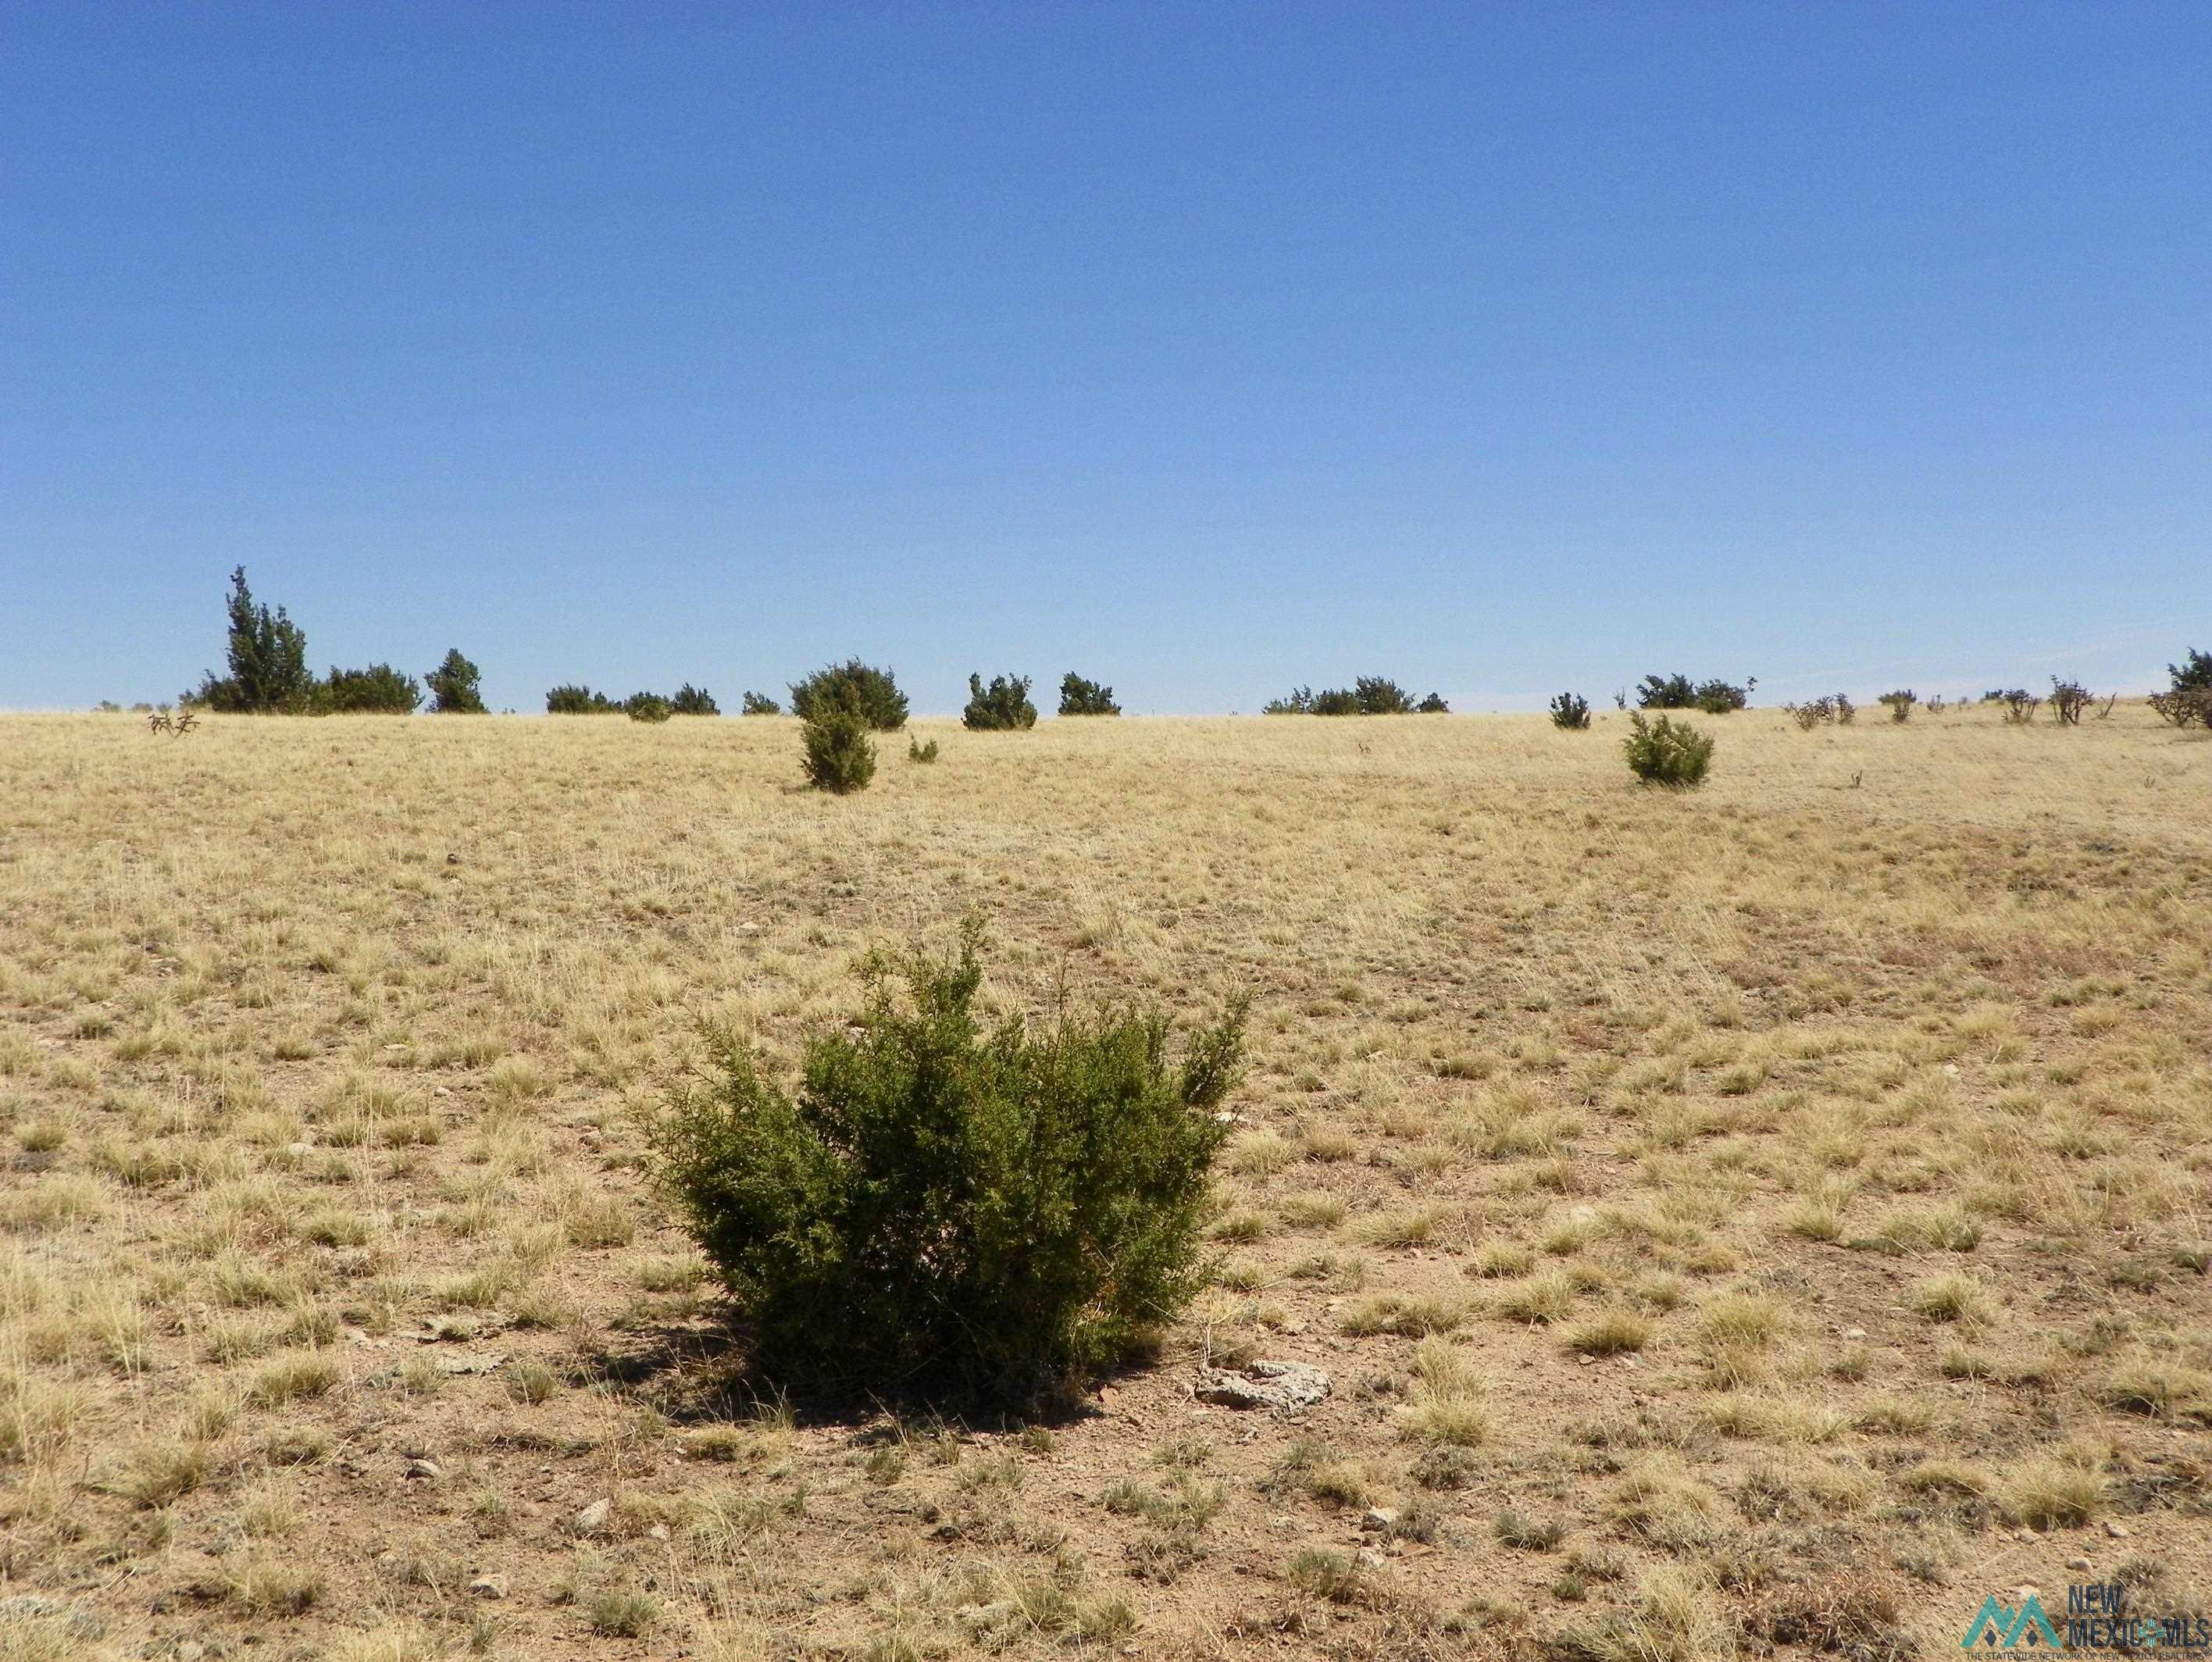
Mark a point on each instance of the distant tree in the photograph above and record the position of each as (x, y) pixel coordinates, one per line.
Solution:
(1571, 710)
(760, 704)
(1717, 698)
(377, 690)
(1379, 696)
(1433, 705)
(573, 698)
(2188, 701)
(648, 706)
(454, 687)
(1673, 692)
(1002, 707)
(691, 701)
(1079, 697)
(869, 693)
(268, 660)
(1369, 695)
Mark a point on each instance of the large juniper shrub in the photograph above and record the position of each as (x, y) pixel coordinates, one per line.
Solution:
(1678, 692)
(760, 704)
(455, 687)
(377, 690)
(574, 699)
(869, 693)
(1571, 710)
(1002, 707)
(997, 1211)
(1079, 697)
(648, 706)
(1368, 695)
(1667, 752)
(839, 755)
(691, 701)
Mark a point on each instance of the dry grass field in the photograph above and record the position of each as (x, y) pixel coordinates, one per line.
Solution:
(1768, 1219)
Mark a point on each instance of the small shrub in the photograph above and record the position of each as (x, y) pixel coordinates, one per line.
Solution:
(1664, 752)
(2019, 705)
(2187, 707)
(859, 689)
(916, 751)
(839, 756)
(1432, 705)
(1899, 704)
(760, 704)
(2068, 699)
(647, 707)
(1003, 706)
(1079, 697)
(691, 701)
(1571, 711)
(1001, 1210)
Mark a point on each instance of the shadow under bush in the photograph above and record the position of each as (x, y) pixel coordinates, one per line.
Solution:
(999, 1212)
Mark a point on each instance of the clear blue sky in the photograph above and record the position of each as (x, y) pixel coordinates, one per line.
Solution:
(1203, 349)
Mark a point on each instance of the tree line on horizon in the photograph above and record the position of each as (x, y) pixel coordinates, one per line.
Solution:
(267, 660)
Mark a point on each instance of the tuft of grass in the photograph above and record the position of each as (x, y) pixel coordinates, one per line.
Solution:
(620, 1613)
(2050, 1494)
(287, 1379)
(1612, 1332)
(1336, 1577)
(1952, 1297)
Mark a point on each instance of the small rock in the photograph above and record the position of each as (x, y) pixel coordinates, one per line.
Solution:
(487, 1586)
(1952, 1069)
(1384, 1519)
(659, 1532)
(422, 1468)
(1276, 1384)
(1854, 1332)
(475, 1364)
(2117, 1531)
(593, 1518)
(452, 859)
(2077, 1563)
(442, 1090)
(1369, 1559)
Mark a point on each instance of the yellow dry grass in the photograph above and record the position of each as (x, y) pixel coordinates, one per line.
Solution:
(1796, 1186)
